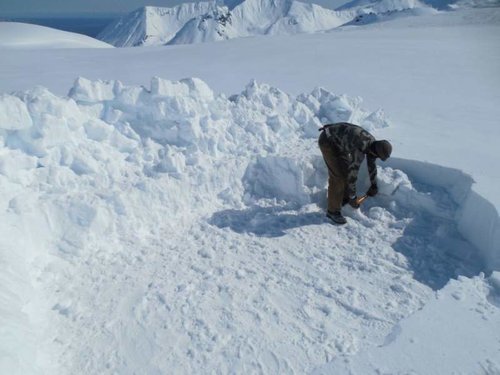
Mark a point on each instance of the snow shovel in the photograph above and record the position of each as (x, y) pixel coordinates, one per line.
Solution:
(361, 199)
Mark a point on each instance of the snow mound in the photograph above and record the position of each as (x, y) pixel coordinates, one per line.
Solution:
(22, 35)
(151, 211)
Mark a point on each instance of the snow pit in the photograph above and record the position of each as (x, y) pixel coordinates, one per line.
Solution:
(174, 229)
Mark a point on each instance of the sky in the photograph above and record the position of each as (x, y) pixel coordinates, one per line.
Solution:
(98, 7)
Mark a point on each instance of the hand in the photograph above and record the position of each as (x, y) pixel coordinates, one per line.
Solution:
(353, 202)
(372, 191)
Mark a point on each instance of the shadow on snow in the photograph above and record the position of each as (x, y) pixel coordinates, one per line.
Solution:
(434, 249)
(264, 221)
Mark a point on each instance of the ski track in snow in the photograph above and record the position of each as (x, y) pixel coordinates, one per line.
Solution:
(148, 262)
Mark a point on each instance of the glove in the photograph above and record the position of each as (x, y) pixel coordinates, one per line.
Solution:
(353, 202)
(372, 191)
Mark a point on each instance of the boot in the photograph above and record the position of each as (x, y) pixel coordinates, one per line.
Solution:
(336, 217)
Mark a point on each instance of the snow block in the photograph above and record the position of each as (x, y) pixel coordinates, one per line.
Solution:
(193, 87)
(15, 161)
(331, 108)
(85, 90)
(278, 178)
(13, 113)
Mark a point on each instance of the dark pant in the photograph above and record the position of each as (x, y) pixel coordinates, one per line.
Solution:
(337, 173)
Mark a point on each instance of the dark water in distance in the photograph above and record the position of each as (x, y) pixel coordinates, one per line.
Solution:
(81, 25)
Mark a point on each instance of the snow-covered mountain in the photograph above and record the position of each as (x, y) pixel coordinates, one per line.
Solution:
(279, 17)
(382, 6)
(227, 19)
(371, 11)
(153, 25)
(213, 26)
(213, 21)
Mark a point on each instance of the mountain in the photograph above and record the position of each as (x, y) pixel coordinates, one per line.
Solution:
(152, 25)
(381, 6)
(285, 17)
(216, 20)
(227, 19)
(259, 17)
(213, 26)
(372, 11)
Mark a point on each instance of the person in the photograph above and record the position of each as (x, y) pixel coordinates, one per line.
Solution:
(344, 147)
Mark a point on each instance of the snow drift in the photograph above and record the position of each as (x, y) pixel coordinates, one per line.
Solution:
(22, 35)
(108, 179)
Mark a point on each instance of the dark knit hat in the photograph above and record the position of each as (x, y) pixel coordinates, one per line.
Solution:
(382, 149)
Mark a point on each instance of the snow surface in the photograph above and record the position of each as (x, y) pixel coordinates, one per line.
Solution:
(23, 35)
(139, 232)
(159, 226)
(448, 319)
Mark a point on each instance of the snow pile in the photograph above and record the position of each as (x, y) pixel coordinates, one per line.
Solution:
(140, 232)
(75, 170)
(21, 35)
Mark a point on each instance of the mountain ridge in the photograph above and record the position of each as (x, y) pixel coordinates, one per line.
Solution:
(218, 20)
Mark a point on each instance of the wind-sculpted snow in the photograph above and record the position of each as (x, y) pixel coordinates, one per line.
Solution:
(173, 229)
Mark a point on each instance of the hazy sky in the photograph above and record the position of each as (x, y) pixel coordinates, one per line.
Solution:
(48, 7)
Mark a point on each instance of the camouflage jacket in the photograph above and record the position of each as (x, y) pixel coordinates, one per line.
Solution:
(352, 142)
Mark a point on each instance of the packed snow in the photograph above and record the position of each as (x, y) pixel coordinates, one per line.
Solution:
(177, 225)
(449, 319)
(117, 182)
(22, 35)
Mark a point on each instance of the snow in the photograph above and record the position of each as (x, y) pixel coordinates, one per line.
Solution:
(203, 22)
(21, 35)
(158, 224)
(433, 333)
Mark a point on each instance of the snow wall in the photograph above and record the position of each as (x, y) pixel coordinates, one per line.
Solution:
(477, 218)
(78, 170)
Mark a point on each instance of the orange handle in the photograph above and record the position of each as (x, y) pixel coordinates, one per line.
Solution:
(361, 199)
